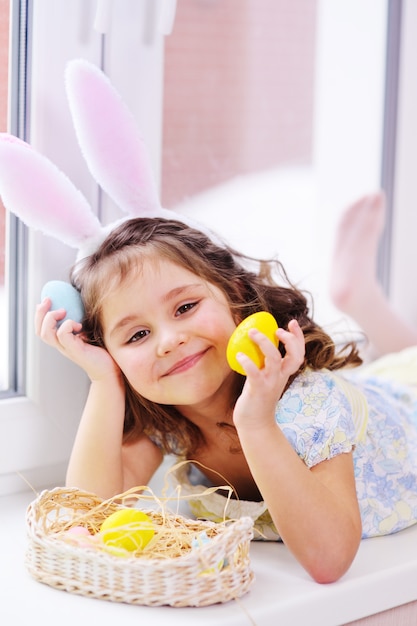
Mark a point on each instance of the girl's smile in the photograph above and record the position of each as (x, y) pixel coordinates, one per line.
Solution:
(185, 364)
(168, 329)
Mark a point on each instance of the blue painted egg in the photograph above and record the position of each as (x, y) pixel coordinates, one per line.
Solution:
(64, 296)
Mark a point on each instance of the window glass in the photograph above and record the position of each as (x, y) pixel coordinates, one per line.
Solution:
(404, 219)
(37, 427)
(4, 60)
(239, 91)
(265, 135)
(262, 120)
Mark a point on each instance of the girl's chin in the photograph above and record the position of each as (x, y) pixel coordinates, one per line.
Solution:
(182, 391)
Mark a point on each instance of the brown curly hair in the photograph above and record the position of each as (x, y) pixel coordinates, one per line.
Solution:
(250, 285)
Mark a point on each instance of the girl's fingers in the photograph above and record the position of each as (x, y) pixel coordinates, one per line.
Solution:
(41, 311)
(294, 331)
(268, 348)
(70, 341)
(46, 325)
(249, 367)
(293, 339)
(49, 324)
(68, 335)
(69, 327)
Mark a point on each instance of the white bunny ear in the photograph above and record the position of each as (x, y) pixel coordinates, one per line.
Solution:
(110, 141)
(42, 196)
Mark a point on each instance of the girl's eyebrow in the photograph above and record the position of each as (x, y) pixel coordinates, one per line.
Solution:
(170, 295)
(125, 321)
(178, 291)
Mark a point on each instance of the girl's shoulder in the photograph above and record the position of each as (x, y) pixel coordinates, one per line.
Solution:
(315, 414)
(316, 389)
(312, 381)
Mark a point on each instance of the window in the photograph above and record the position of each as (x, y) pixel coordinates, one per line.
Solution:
(4, 65)
(404, 219)
(273, 122)
(38, 425)
(263, 119)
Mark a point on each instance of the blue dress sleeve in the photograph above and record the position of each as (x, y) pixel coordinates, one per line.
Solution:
(316, 417)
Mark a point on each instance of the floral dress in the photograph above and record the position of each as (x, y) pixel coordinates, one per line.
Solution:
(371, 411)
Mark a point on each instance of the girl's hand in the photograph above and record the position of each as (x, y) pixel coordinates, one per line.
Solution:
(68, 339)
(264, 387)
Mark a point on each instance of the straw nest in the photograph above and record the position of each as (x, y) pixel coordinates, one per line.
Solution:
(170, 570)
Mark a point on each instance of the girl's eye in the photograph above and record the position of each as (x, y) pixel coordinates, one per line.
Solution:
(184, 308)
(141, 334)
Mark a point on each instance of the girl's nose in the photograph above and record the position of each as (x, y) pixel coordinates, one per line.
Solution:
(169, 339)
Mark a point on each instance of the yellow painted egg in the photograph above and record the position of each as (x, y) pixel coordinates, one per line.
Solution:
(129, 529)
(241, 342)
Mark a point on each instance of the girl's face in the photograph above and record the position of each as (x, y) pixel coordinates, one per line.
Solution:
(168, 329)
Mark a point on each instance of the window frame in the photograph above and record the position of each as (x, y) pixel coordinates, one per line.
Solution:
(404, 219)
(16, 233)
(37, 428)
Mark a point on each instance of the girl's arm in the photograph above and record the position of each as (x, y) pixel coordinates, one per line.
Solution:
(99, 461)
(315, 511)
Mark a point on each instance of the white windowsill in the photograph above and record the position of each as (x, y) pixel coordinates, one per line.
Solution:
(382, 576)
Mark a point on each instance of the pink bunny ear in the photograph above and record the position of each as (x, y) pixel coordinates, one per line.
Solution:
(42, 196)
(110, 141)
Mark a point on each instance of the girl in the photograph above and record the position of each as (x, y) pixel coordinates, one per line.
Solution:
(331, 456)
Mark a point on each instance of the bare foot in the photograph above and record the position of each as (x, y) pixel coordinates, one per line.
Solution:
(353, 281)
(354, 287)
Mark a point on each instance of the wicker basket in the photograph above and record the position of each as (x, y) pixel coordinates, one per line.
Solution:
(217, 571)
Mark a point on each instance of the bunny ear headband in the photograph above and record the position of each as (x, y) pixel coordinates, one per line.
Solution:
(45, 199)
